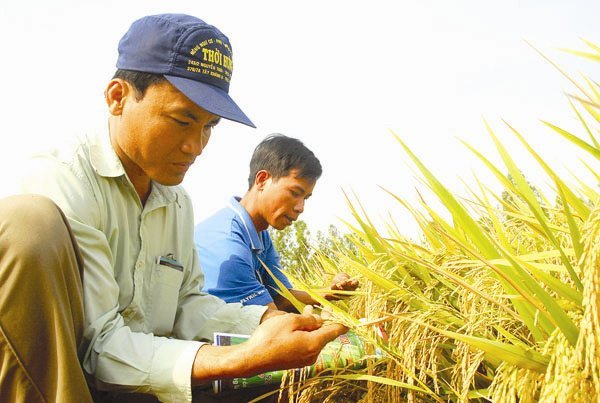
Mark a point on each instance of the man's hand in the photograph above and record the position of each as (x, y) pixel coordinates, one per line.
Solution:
(341, 282)
(291, 340)
(283, 341)
(271, 312)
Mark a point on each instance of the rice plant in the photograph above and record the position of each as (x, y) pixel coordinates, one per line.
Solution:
(500, 302)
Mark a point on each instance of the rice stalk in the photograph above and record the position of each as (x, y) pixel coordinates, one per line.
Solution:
(500, 302)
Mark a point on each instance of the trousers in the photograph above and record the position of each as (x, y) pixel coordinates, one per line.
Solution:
(41, 304)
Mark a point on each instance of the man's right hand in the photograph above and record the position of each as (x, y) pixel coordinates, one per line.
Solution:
(282, 342)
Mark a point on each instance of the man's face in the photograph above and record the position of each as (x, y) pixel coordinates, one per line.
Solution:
(282, 199)
(160, 136)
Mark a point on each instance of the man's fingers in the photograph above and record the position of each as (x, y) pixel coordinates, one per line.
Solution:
(308, 310)
(343, 282)
(340, 277)
(308, 320)
(331, 330)
(349, 285)
(327, 313)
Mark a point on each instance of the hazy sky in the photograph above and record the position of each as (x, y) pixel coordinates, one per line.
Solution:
(337, 74)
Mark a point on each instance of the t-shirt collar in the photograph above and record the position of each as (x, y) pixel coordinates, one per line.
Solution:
(247, 223)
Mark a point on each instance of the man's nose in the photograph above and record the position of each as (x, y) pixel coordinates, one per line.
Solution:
(194, 145)
(300, 206)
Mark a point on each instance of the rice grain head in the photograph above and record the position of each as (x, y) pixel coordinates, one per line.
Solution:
(588, 343)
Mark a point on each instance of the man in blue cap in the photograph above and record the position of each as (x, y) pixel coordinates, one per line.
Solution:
(108, 251)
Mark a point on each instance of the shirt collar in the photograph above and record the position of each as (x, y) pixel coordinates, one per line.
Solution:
(106, 162)
(247, 223)
(103, 157)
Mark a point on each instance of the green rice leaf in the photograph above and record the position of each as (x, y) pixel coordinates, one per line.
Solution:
(498, 227)
(595, 152)
(421, 221)
(283, 290)
(527, 194)
(515, 281)
(567, 196)
(587, 55)
(585, 125)
(592, 45)
(512, 354)
(550, 307)
(461, 217)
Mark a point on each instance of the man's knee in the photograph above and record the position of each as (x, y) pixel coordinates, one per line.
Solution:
(29, 207)
(30, 222)
(39, 255)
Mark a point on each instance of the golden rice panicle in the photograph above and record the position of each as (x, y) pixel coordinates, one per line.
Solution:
(515, 385)
(588, 344)
(478, 314)
(468, 362)
(563, 381)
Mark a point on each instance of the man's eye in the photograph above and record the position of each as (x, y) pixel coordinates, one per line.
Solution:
(181, 122)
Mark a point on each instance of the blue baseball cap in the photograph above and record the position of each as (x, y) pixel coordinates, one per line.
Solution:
(193, 56)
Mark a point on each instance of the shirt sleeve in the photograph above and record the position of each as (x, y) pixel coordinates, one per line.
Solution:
(119, 357)
(201, 314)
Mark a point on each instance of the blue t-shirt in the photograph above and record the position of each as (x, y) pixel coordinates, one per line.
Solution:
(230, 248)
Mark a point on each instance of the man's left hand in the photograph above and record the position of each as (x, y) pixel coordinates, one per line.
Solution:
(342, 282)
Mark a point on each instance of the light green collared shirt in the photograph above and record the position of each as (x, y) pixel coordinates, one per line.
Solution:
(145, 321)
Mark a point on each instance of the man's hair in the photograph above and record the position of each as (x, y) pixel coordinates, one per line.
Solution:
(140, 81)
(279, 154)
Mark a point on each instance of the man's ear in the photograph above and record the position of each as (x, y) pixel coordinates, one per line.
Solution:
(116, 94)
(261, 179)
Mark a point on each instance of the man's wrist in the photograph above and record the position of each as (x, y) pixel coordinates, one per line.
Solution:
(217, 362)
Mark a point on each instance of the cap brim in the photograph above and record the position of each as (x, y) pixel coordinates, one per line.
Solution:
(210, 98)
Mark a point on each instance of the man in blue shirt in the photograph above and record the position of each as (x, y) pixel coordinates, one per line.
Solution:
(234, 243)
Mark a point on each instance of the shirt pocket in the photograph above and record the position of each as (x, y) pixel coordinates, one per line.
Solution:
(165, 297)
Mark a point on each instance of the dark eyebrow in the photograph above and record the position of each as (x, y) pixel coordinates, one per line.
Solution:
(301, 190)
(190, 115)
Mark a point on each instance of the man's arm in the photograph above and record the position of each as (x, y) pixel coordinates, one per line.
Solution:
(283, 341)
(341, 282)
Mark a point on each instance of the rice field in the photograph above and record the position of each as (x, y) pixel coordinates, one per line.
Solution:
(498, 301)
